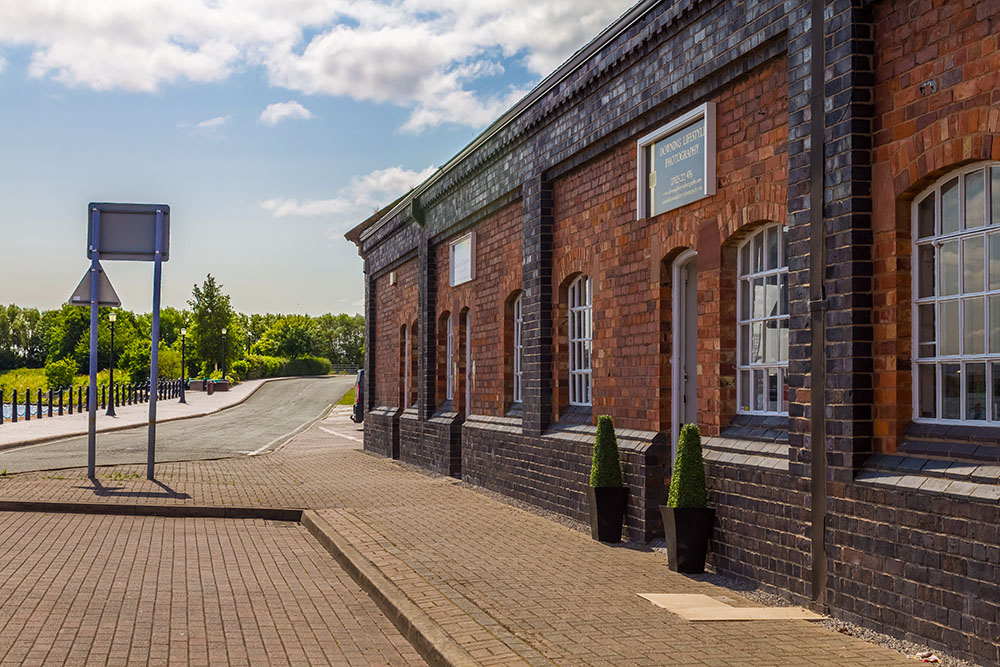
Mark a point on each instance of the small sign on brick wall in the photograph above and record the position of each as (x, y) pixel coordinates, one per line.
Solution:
(676, 163)
(463, 259)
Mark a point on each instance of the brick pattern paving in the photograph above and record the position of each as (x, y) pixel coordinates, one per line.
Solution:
(508, 585)
(86, 589)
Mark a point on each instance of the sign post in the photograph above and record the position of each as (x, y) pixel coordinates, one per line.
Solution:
(94, 290)
(139, 232)
(154, 355)
(95, 286)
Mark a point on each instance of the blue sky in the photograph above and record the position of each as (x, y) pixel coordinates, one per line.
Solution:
(269, 126)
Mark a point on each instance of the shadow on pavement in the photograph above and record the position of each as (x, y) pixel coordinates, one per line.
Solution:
(116, 491)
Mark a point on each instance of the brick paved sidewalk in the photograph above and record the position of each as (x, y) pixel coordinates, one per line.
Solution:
(111, 590)
(507, 585)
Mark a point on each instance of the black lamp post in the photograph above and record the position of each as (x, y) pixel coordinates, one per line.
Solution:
(224, 355)
(183, 370)
(111, 368)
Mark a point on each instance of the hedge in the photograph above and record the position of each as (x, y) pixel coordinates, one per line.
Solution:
(256, 366)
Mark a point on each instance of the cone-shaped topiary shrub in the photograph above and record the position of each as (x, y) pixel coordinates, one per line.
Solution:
(687, 483)
(606, 470)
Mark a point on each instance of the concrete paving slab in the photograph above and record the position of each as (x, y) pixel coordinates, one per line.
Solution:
(701, 607)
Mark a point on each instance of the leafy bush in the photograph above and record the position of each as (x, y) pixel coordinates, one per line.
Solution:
(306, 366)
(687, 483)
(59, 374)
(606, 469)
(240, 369)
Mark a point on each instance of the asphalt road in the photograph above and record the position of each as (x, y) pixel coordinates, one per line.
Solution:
(264, 420)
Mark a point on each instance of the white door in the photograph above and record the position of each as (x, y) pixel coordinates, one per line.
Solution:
(684, 359)
(470, 365)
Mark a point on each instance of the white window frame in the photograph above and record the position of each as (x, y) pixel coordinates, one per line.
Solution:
(518, 389)
(449, 374)
(406, 367)
(581, 335)
(749, 368)
(990, 360)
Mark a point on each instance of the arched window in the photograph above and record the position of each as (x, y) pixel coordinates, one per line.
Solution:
(404, 361)
(762, 319)
(956, 297)
(581, 325)
(449, 364)
(518, 347)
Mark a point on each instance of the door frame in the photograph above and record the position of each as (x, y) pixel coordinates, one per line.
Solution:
(677, 338)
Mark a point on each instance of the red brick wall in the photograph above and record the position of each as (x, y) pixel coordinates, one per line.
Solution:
(498, 274)
(919, 136)
(395, 305)
(596, 233)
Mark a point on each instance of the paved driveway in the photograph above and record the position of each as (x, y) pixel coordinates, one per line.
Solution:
(265, 419)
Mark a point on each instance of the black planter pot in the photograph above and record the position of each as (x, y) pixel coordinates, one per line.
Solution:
(687, 531)
(607, 512)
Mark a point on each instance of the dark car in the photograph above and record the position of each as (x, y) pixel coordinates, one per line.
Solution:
(358, 414)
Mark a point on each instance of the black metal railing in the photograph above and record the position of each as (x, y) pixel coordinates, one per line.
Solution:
(27, 405)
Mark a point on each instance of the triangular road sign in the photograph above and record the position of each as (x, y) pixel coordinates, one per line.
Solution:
(106, 295)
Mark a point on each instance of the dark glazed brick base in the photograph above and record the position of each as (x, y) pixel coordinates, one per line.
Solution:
(382, 432)
(433, 445)
(553, 472)
(761, 527)
(919, 565)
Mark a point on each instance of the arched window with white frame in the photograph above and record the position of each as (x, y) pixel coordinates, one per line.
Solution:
(762, 321)
(449, 364)
(956, 297)
(581, 324)
(518, 347)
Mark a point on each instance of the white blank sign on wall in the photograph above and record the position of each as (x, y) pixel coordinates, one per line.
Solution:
(463, 259)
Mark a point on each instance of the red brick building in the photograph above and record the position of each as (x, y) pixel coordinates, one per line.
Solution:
(651, 234)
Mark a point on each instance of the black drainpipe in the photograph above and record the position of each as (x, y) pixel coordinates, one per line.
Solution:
(817, 308)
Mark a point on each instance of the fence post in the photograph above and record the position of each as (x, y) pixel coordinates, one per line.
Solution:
(38, 404)
(27, 405)
(61, 392)
(1, 404)
(50, 401)
(79, 399)
(13, 407)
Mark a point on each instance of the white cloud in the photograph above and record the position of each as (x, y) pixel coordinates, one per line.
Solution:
(213, 123)
(356, 201)
(3, 63)
(275, 113)
(425, 55)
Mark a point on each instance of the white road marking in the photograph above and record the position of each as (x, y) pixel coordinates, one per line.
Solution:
(341, 435)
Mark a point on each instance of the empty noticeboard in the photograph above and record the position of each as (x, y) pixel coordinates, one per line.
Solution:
(128, 231)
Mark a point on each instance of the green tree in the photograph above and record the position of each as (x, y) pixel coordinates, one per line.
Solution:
(59, 374)
(343, 338)
(211, 312)
(69, 326)
(291, 336)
